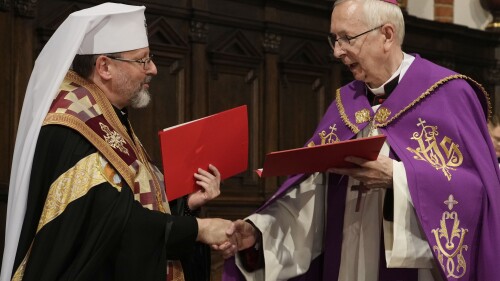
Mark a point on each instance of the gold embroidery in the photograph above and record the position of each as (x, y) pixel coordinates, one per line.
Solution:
(362, 116)
(97, 141)
(19, 274)
(382, 114)
(431, 90)
(344, 117)
(326, 138)
(70, 186)
(158, 186)
(103, 103)
(455, 265)
(429, 150)
(330, 137)
(128, 172)
(114, 139)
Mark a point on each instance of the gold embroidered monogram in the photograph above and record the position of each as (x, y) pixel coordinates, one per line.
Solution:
(114, 139)
(430, 151)
(382, 114)
(362, 116)
(450, 256)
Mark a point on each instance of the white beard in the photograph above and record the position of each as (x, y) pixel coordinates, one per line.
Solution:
(141, 99)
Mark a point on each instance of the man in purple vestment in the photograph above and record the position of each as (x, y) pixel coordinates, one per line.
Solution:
(426, 209)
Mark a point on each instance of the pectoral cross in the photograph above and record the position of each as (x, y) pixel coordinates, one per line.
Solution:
(361, 188)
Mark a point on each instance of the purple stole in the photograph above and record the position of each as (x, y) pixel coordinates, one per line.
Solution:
(435, 124)
(83, 107)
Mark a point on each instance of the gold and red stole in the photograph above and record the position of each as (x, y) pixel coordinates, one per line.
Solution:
(82, 106)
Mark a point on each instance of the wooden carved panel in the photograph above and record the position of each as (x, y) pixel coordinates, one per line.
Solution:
(302, 94)
(25, 8)
(300, 106)
(228, 89)
(5, 5)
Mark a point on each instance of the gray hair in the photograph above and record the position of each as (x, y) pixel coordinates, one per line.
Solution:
(377, 12)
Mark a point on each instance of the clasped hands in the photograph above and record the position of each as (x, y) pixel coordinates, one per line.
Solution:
(226, 236)
(230, 237)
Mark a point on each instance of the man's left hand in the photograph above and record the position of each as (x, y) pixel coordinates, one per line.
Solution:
(210, 187)
(374, 174)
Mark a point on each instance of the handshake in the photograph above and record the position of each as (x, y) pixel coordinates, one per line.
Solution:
(226, 236)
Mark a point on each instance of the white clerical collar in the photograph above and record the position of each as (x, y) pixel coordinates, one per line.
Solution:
(403, 67)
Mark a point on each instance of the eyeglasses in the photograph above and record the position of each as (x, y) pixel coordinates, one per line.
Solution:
(346, 39)
(145, 61)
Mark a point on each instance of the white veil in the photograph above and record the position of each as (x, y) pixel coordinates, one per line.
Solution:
(106, 28)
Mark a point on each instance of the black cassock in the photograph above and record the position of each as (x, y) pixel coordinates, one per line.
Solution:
(103, 235)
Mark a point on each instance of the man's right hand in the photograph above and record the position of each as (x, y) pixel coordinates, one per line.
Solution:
(214, 231)
(242, 236)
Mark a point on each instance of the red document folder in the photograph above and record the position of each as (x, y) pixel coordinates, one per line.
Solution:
(220, 139)
(320, 158)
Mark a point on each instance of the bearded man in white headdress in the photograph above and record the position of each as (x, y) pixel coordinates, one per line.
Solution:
(85, 202)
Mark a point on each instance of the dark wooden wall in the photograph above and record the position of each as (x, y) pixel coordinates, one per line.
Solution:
(216, 54)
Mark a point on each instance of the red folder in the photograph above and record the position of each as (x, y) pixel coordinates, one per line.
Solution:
(320, 158)
(220, 139)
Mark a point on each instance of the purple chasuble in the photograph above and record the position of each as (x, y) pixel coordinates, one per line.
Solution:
(435, 123)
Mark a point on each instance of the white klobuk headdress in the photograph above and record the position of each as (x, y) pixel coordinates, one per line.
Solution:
(106, 28)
